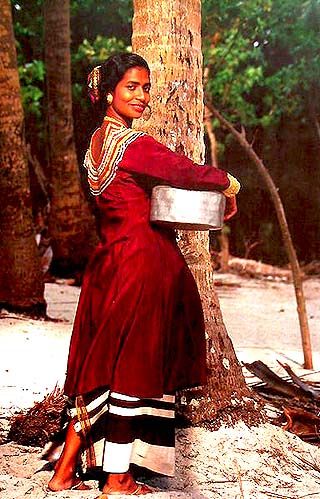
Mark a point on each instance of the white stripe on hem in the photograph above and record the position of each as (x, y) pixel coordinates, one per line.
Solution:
(141, 411)
(127, 398)
(121, 396)
(117, 457)
(92, 405)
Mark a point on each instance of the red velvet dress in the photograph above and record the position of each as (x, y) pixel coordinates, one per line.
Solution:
(139, 326)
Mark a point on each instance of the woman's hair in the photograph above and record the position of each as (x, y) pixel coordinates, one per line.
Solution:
(104, 78)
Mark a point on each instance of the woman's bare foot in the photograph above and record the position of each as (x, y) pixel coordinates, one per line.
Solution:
(124, 483)
(65, 477)
(74, 484)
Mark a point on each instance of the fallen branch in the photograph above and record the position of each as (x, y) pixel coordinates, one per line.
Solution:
(297, 381)
(312, 268)
(252, 268)
(262, 371)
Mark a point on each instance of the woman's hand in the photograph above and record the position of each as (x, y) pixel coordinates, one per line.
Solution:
(231, 208)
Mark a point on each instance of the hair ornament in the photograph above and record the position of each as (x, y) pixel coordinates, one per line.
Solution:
(94, 79)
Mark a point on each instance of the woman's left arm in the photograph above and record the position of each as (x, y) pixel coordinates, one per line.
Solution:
(146, 156)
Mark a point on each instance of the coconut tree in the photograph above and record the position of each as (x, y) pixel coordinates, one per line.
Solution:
(21, 283)
(71, 222)
(168, 34)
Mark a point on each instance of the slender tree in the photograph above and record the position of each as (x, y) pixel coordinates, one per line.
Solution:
(286, 235)
(71, 223)
(167, 34)
(223, 237)
(21, 283)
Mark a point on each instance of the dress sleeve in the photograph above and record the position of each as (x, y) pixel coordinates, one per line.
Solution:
(146, 156)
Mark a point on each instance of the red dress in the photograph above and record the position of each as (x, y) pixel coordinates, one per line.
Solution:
(139, 326)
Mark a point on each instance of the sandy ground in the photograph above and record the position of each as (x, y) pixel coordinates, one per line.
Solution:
(230, 463)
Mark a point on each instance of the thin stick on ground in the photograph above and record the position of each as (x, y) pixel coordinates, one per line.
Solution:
(239, 478)
(287, 240)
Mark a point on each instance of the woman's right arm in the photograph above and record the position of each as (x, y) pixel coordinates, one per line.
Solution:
(146, 156)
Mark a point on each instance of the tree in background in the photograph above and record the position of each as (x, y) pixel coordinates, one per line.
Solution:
(21, 282)
(167, 34)
(264, 58)
(264, 62)
(71, 224)
(265, 70)
(93, 18)
(98, 28)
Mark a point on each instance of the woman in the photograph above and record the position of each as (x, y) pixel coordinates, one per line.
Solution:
(139, 333)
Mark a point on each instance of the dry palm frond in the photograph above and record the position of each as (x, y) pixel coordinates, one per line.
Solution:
(36, 426)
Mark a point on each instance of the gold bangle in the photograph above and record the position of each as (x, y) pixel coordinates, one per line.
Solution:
(233, 188)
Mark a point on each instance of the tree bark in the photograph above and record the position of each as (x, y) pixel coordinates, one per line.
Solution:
(21, 282)
(286, 236)
(167, 34)
(71, 223)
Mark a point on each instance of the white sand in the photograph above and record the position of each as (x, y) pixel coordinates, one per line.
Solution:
(230, 463)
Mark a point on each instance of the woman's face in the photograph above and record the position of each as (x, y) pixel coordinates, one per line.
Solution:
(131, 95)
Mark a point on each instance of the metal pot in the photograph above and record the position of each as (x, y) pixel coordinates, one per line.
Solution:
(187, 210)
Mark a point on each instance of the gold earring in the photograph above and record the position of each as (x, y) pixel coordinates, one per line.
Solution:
(147, 113)
(109, 99)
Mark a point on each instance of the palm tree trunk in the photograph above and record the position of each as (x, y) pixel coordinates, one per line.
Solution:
(71, 224)
(21, 282)
(167, 34)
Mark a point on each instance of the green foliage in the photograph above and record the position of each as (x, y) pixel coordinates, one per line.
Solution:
(28, 28)
(90, 19)
(236, 70)
(108, 18)
(88, 55)
(121, 8)
(93, 53)
(31, 79)
(263, 57)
